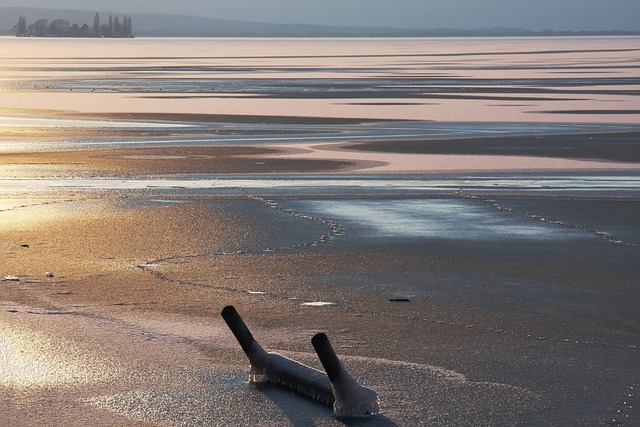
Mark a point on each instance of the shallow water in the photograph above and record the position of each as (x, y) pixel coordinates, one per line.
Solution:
(468, 295)
(619, 184)
(513, 79)
(270, 133)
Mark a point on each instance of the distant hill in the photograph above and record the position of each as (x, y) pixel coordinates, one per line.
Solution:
(150, 25)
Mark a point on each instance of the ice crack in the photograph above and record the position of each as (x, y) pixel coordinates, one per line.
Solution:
(334, 228)
(493, 204)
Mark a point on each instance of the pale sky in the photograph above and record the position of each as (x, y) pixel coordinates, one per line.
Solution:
(530, 14)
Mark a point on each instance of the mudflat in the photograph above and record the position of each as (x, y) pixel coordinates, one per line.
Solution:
(537, 325)
(475, 272)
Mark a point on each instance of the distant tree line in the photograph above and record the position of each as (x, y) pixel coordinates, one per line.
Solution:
(113, 28)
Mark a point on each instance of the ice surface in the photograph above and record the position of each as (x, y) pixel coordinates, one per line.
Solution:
(351, 399)
(305, 380)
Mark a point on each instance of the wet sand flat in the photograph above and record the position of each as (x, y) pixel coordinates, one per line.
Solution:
(554, 80)
(511, 322)
(153, 161)
(472, 271)
(619, 147)
(587, 152)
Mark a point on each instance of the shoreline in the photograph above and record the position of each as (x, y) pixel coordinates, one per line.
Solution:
(476, 266)
(144, 275)
(141, 268)
(544, 152)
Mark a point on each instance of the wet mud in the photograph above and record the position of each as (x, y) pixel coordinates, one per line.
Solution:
(138, 200)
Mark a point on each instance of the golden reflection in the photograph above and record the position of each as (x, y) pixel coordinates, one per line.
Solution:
(32, 359)
(18, 215)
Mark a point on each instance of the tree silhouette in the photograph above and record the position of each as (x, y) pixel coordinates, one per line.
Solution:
(21, 28)
(39, 28)
(128, 30)
(112, 33)
(62, 28)
(59, 27)
(96, 25)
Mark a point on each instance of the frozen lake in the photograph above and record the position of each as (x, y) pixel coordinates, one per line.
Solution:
(460, 216)
(561, 80)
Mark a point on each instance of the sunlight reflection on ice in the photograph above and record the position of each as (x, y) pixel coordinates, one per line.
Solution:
(577, 183)
(28, 122)
(429, 218)
(31, 359)
(318, 303)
